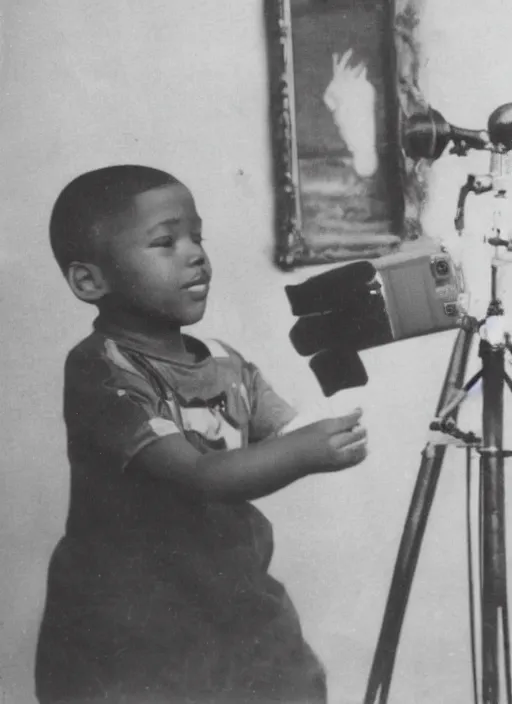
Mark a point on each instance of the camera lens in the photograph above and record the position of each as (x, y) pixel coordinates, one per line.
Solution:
(451, 309)
(442, 268)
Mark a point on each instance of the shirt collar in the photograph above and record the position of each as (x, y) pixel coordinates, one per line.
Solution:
(147, 345)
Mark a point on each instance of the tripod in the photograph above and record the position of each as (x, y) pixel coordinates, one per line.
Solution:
(494, 345)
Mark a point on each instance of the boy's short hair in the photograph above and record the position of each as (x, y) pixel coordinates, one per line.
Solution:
(91, 198)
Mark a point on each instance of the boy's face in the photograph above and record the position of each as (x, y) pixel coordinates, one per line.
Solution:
(155, 264)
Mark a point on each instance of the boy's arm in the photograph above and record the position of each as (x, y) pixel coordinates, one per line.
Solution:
(115, 417)
(260, 469)
(270, 462)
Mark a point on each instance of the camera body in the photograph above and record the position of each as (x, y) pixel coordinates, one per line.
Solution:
(361, 305)
(422, 290)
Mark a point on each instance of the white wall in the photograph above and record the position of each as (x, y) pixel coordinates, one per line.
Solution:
(181, 85)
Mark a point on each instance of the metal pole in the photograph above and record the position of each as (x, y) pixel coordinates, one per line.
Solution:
(493, 519)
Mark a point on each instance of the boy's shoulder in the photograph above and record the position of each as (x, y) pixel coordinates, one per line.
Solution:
(88, 350)
(93, 348)
(89, 345)
(96, 360)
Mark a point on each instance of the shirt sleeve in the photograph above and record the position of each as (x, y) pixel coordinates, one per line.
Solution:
(269, 412)
(111, 410)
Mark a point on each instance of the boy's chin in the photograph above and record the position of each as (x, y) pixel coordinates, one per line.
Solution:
(189, 315)
(181, 320)
(185, 322)
(195, 314)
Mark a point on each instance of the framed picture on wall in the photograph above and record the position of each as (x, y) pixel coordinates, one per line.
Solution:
(343, 74)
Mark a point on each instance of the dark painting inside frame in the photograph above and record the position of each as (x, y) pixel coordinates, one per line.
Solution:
(326, 209)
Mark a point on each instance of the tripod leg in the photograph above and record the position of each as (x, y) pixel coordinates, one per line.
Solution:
(381, 672)
(494, 583)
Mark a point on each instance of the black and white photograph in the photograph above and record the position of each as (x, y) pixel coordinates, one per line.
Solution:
(256, 281)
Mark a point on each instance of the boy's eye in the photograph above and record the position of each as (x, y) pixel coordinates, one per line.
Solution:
(168, 240)
(164, 241)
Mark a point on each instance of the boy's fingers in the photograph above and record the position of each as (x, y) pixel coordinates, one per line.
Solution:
(353, 454)
(344, 423)
(342, 441)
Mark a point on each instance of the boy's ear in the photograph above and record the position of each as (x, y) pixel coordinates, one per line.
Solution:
(87, 282)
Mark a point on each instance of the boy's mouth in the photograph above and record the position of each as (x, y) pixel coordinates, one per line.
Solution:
(198, 286)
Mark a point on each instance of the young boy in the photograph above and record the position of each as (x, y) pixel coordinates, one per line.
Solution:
(159, 591)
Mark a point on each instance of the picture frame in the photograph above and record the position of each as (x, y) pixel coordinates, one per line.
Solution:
(325, 211)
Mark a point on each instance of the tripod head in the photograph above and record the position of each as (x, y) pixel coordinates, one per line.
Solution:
(426, 136)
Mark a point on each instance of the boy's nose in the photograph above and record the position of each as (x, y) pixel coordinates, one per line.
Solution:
(195, 255)
(197, 261)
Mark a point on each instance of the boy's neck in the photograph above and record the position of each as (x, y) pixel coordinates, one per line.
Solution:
(160, 338)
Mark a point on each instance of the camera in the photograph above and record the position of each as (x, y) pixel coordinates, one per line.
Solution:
(341, 312)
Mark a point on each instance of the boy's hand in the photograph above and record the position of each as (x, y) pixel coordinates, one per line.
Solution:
(333, 443)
